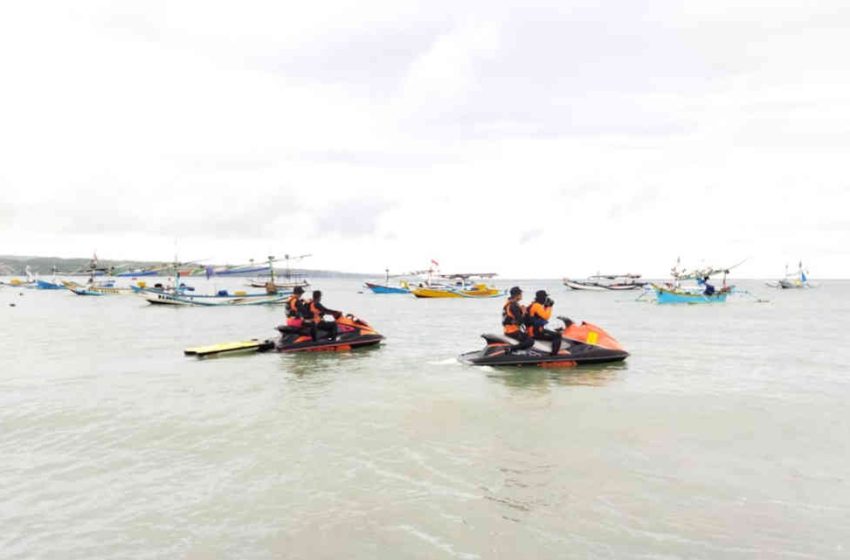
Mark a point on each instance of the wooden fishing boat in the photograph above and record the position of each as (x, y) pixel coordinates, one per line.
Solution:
(665, 294)
(290, 281)
(795, 281)
(606, 282)
(386, 289)
(45, 285)
(94, 290)
(403, 286)
(457, 286)
(159, 297)
(700, 292)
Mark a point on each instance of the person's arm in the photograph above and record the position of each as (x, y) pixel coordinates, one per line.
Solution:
(325, 311)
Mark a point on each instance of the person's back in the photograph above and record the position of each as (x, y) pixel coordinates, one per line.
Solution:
(295, 308)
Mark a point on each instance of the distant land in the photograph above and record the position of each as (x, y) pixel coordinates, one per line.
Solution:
(11, 265)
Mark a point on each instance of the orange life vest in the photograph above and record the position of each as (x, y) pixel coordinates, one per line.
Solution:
(538, 317)
(292, 308)
(511, 323)
(316, 314)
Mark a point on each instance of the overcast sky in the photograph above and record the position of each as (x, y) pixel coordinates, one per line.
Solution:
(527, 138)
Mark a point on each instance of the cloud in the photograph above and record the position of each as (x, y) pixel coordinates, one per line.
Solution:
(423, 128)
(530, 235)
(351, 218)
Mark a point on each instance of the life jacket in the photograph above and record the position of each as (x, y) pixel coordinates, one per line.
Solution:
(537, 317)
(511, 323)
(315, 312)
(293, 309)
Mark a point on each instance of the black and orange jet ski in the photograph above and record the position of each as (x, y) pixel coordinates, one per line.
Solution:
(351, 333)
(583, 343)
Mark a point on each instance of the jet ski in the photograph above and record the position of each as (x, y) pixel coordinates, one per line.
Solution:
(351, 333)
(583, 343)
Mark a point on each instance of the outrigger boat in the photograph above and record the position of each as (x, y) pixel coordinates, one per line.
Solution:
(607, 282)
(673, 292)
(291, 281)
(351, 333)
(94, 287)
(458, 285)
(222, 299)
(94, 290)
(179, 296)
(796, 281)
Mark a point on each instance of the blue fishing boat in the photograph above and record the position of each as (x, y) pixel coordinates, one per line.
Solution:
(701, 292)
(382, 289)
(45, 285)
(673, 295)
(386, 288)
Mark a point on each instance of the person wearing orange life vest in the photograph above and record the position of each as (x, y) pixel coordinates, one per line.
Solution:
(296, 309)
(538, 315)
(315, 317)
(513, 321)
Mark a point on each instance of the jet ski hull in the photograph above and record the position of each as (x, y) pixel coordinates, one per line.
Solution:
(580, 344)
(342, 343)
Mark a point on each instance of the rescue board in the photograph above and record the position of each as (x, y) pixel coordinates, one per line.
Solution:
(253, 345)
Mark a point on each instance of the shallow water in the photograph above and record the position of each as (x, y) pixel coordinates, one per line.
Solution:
(725, 434)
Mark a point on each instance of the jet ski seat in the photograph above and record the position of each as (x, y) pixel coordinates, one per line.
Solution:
(539, 345)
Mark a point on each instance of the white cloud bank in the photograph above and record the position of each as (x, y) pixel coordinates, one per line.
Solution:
(535, 140)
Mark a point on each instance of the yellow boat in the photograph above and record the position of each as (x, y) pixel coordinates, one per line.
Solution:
(476, 291)
(456, 286)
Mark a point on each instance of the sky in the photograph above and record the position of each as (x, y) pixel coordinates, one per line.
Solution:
(532, 139)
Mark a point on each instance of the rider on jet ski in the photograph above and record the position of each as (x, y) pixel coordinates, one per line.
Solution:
(513, 315)
(314, 317)
(538, 315)
(296, 308)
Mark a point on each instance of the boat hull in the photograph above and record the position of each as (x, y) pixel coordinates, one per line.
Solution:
(381, 289)
(452, 293)
(45, 285)
(158, 297)
(581, 344)
(81, 290)
(597, 287)
(665, 295)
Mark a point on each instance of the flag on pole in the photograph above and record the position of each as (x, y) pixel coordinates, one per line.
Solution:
(435, 263)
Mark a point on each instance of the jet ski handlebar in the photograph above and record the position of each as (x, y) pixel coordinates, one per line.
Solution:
(566, 320)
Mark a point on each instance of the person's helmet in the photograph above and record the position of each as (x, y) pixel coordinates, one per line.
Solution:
(516, 291)
(317, 294)
(298, 290)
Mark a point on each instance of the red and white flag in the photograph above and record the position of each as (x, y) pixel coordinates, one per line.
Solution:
(435, 263)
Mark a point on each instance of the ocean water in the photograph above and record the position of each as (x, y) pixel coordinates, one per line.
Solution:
(726, 434)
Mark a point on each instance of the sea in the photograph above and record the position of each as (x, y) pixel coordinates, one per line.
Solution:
(725, 434)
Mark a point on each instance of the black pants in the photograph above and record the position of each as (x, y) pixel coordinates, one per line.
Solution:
(554, 337)
(328, 326)
(525, 341)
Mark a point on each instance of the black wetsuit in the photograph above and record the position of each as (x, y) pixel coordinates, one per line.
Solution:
(316, 312)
